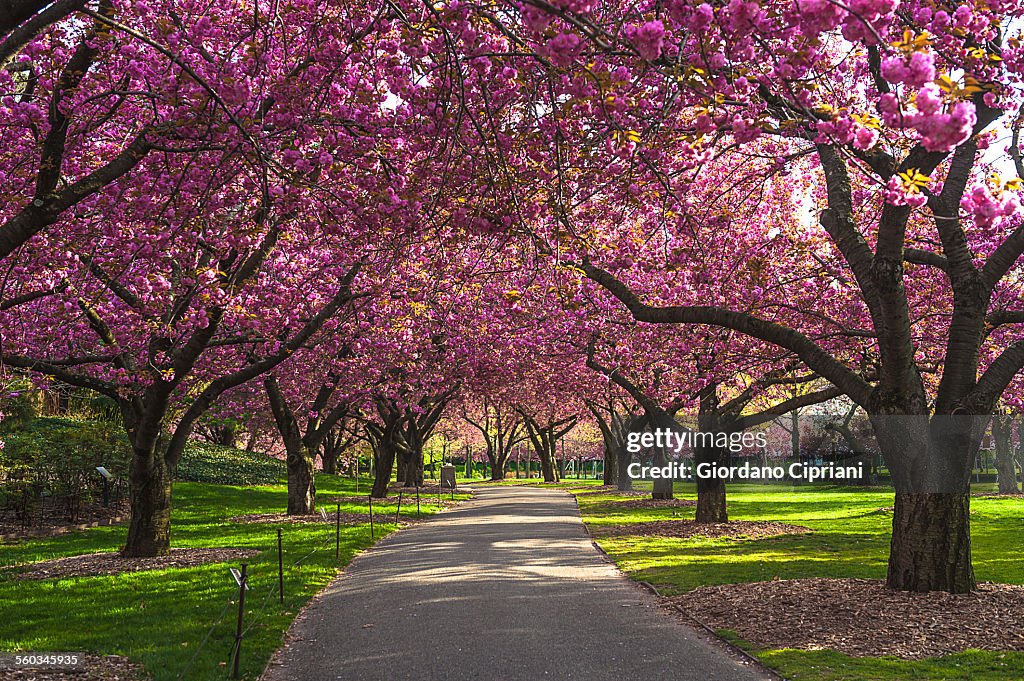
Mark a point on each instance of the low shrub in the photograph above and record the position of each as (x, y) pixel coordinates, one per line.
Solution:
(55, 460)
(205, 462)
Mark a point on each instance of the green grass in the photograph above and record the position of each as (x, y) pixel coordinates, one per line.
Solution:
(160, 617)
(850, 538)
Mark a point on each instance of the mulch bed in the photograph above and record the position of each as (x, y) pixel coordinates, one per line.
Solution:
(112, 563)
(285, 519)
(652, 503)
(861, 617)
(611, 490)
(52, 522)
(425, 491)
(407, 498)
(997, 495)
(93, 668)
(737, 529)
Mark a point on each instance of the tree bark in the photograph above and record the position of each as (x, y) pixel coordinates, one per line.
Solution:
(329, 456)
(149, 530)
(498, 461)
(384, 463)
(662, 488)
(301, 482)
(547, 466)
(931, 543)
(410, 468)
(711, 503)
(610, 474)
(623, 483)
(1007, 471)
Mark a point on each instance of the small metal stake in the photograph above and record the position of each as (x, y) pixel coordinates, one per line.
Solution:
(371, 515)
(417, 501)
(337, 531)
(238, 628)
(280, 567)
(399, 511)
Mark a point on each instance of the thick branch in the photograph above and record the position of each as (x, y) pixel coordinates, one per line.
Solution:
(813, 355)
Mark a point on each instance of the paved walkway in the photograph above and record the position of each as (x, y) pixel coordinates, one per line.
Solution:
(505, 587)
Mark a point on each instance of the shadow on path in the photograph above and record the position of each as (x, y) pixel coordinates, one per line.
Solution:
(505, 587)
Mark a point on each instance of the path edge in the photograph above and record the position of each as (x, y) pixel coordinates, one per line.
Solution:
(699, 627)
(342, 573)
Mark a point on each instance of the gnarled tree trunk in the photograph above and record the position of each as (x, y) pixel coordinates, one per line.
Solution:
(711, 502)
(931, 543)
(149, 530)
(301, 482)
(384, 464)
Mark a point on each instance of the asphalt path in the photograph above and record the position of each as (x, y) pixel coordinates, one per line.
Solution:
(504, 587)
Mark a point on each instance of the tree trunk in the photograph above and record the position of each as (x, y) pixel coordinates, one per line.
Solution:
(330, 463)
(547, 466)
(301, 482)
(384, 463)
(410, 470)
(1007, 471)
(931, 543)
(498, 466)
(329, 453)
(402, 464)
(623, 482)
(662, 488)
(149, 530)
(611, 466)
(711, 505)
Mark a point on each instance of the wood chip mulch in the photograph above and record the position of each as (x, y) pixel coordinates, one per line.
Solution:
(737, 529)
(285, 519)
(425, 491)
(997, 495)
(861, 617)
(407, 498)
(613, 491)
(652, 503)
(112, 563)
(92, 668)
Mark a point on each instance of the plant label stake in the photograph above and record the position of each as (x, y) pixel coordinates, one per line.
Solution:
(240, 577)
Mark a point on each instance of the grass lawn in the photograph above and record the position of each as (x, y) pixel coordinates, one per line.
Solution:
(850, 538)
(164, 618)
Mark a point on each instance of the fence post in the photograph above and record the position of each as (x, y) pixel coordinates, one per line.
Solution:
(371, 515)
(280, 567)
